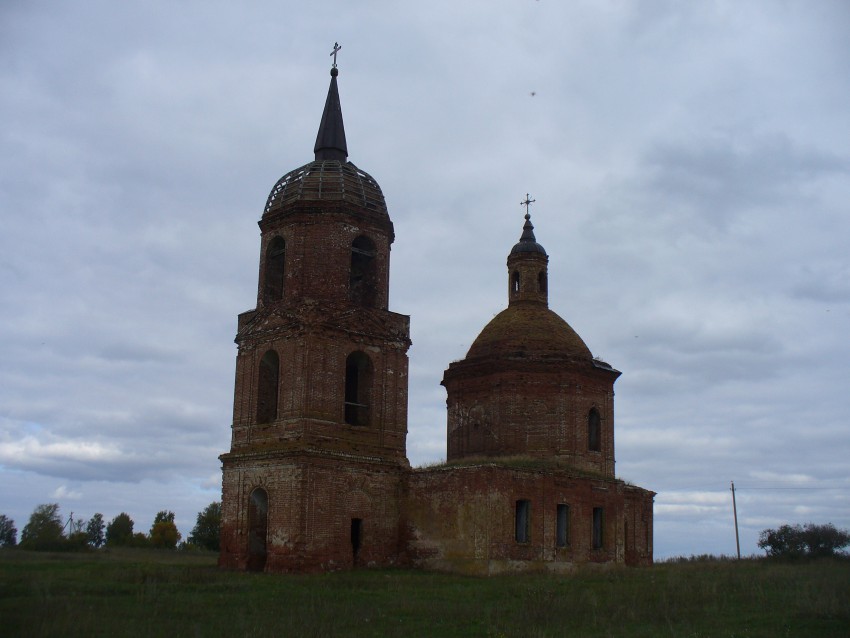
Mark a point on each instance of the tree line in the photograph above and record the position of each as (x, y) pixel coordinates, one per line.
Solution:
(45, 531)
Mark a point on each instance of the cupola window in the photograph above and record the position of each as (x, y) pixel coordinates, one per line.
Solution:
(541, 281)
(515, 282)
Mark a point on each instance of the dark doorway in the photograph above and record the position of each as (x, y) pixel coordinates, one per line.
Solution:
(356, 537)
(258, 525)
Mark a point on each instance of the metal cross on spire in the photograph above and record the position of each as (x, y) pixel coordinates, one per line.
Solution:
(528, 202)
(333, 53)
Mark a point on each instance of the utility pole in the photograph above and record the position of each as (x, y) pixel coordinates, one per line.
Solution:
(735, 512)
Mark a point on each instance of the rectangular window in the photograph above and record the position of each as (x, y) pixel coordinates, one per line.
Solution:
(598, 521)
(523, 515)
(562, 526)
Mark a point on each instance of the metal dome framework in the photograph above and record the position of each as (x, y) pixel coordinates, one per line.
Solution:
(327, 180)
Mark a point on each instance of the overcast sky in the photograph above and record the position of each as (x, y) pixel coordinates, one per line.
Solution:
(691, 170)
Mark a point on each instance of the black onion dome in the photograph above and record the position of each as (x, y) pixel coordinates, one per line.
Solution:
(527, 242)
(327, 181)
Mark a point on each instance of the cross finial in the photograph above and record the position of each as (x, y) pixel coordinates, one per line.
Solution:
(528, 202)
(333, 53)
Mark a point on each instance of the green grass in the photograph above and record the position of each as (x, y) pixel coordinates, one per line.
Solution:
(151, 593)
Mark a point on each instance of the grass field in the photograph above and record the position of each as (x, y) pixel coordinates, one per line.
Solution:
(151, 593)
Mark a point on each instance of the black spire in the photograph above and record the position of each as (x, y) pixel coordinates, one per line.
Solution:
(330, 142)
(527, 242)
(527, 230)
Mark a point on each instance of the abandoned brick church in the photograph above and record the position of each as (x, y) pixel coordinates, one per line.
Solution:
(317, 476)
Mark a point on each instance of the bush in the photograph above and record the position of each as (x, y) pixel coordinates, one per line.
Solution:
(138, 539)
(795, 541)
(164, 534)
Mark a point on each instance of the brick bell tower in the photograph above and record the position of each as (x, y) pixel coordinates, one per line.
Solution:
(312, 479)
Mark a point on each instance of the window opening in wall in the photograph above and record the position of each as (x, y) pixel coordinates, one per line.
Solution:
(562, 526)
(358, 388)
(541, 281)
(258, 524)
(593, 430)
(275, 270)
(515, 281)
(356, 536)
(267, 387)
(598, 520)
(523, 514)
(363, 278)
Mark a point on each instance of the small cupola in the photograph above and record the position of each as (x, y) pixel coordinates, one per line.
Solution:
(528, 267)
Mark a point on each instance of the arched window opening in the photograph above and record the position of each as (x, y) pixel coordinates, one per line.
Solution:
(562, 525)
(267, 387)
(258, 525)
(522, 521)
(515, 282)
(275, 270)
(541, 281)
(597, 537)
(594, 443)
(358, 388)
(363, 278)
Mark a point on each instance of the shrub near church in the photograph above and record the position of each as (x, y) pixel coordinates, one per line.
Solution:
(810, 540)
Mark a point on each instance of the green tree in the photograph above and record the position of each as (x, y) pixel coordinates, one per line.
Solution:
(164, 516)
(120, 530)
(794, 541)
(44, 529)
(164, 534)
(163, 531)
(207, 530)
(95, 531)
(824, 540)
(8, 532)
